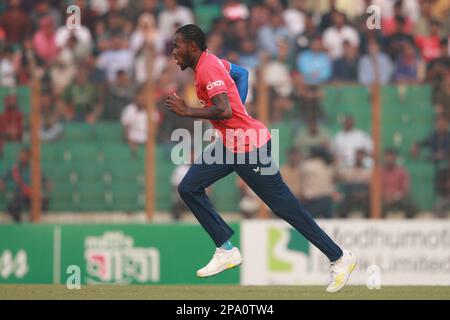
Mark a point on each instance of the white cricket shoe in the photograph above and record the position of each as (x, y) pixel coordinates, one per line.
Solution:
(340, 271)
(222, 260)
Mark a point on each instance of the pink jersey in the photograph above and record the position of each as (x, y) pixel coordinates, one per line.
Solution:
(241, 133)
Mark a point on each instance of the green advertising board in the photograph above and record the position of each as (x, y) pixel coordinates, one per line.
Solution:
(108, 254)
(26, 254)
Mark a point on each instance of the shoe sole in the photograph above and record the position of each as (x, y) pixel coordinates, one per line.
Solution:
(224, 268)
(349, 272)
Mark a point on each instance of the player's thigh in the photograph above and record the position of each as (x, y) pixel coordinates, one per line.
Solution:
(266, 186)
(201, 176)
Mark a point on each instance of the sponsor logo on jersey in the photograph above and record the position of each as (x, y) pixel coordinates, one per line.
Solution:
(212, 84)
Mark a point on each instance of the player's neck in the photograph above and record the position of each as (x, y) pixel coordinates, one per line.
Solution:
(196, 60)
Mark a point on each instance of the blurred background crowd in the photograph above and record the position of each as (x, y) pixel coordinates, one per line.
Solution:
(95, 74)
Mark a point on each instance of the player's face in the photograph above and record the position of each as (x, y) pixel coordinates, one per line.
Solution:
(180, 51)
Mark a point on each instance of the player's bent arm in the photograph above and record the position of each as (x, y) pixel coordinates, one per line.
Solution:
(220, 110)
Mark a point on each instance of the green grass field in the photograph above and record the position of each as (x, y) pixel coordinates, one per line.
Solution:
(188, 292)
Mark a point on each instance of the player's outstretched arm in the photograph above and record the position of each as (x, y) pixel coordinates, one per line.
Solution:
(220, 110)
(240, 77)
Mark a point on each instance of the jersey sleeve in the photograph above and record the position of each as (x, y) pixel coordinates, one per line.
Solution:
(226, 64)
(240, 77)
(212, 79)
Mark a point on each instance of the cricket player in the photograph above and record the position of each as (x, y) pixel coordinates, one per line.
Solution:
(223, 106)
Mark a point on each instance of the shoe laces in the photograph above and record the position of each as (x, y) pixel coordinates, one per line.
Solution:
(218, 254)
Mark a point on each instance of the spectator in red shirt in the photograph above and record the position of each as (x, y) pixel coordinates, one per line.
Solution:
(389, 25)
(12, 120)
(15, 23)
(395, 186)
(430, 46)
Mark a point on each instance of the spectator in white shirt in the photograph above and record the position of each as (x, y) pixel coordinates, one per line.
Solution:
(118, 57)
(146, 33)
(134, 121)
(295, 18)
(83, 36)
(334, 37)
(147, 39)
(173, 16)
(7, 69)
(348, 141)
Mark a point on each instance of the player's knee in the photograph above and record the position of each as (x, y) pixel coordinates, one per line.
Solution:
(184, 188)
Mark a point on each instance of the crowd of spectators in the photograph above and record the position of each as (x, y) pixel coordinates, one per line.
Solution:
(97, 72)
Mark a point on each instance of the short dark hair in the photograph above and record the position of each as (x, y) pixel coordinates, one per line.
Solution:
(191, 32)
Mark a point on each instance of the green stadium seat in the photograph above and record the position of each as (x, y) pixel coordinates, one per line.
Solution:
(79, 132)
(205, 14)
(107, 132)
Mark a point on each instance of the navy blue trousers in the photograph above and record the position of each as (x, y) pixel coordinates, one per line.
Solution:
(270, 188)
